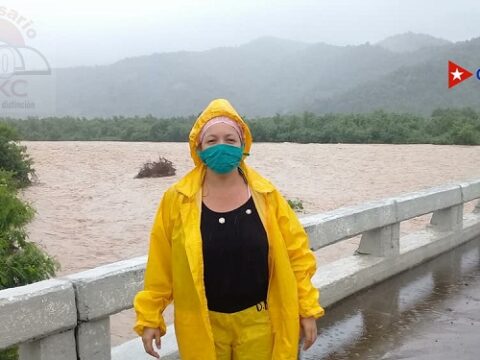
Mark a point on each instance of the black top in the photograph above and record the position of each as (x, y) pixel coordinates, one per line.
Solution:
(235, 253)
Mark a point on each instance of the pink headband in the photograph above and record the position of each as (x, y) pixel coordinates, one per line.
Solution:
(221, 119)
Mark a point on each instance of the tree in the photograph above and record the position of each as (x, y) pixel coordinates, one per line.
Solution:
(21, 262)
(14, 157)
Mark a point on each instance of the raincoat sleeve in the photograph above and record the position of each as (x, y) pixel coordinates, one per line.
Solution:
(150, 303)
(302, 259)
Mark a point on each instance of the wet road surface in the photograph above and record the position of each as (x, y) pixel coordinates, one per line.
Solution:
(429, 312)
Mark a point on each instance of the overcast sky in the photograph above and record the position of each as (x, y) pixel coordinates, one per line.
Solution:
(90, 32)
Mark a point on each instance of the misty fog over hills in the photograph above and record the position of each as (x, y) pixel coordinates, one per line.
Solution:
(406, 72)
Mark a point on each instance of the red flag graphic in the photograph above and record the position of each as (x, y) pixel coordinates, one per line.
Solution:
(456, 74)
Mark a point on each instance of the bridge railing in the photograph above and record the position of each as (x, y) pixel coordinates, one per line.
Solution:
(382, 252)
(68, 318)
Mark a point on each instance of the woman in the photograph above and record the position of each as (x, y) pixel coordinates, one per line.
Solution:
(229, 250)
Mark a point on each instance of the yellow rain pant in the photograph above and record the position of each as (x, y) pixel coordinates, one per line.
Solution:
(243, 335)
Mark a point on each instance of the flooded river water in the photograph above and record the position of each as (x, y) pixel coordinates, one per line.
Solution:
(91, 211)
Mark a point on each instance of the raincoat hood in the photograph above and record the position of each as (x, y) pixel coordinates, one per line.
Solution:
(218, 107)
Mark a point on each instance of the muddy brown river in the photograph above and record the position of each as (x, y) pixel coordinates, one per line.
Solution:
(91, 211)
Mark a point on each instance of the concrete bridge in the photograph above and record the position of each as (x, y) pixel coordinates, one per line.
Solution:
(68, 318)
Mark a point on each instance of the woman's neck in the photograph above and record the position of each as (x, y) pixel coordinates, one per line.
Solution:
(215, 180)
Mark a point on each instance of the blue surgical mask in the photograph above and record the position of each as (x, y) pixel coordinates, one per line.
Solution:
(222, 158)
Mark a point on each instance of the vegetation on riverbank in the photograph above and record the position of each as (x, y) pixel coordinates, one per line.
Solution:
(21, 262)
(444, 126)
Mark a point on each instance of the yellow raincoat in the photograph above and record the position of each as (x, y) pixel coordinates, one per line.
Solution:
(175, 261)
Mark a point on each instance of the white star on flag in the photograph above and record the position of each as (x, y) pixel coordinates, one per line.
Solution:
(457, 74)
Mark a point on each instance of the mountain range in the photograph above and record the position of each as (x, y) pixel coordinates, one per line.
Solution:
(402, 73)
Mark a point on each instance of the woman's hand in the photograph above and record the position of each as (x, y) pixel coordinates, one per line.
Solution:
(150, 334)
(308, 328)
